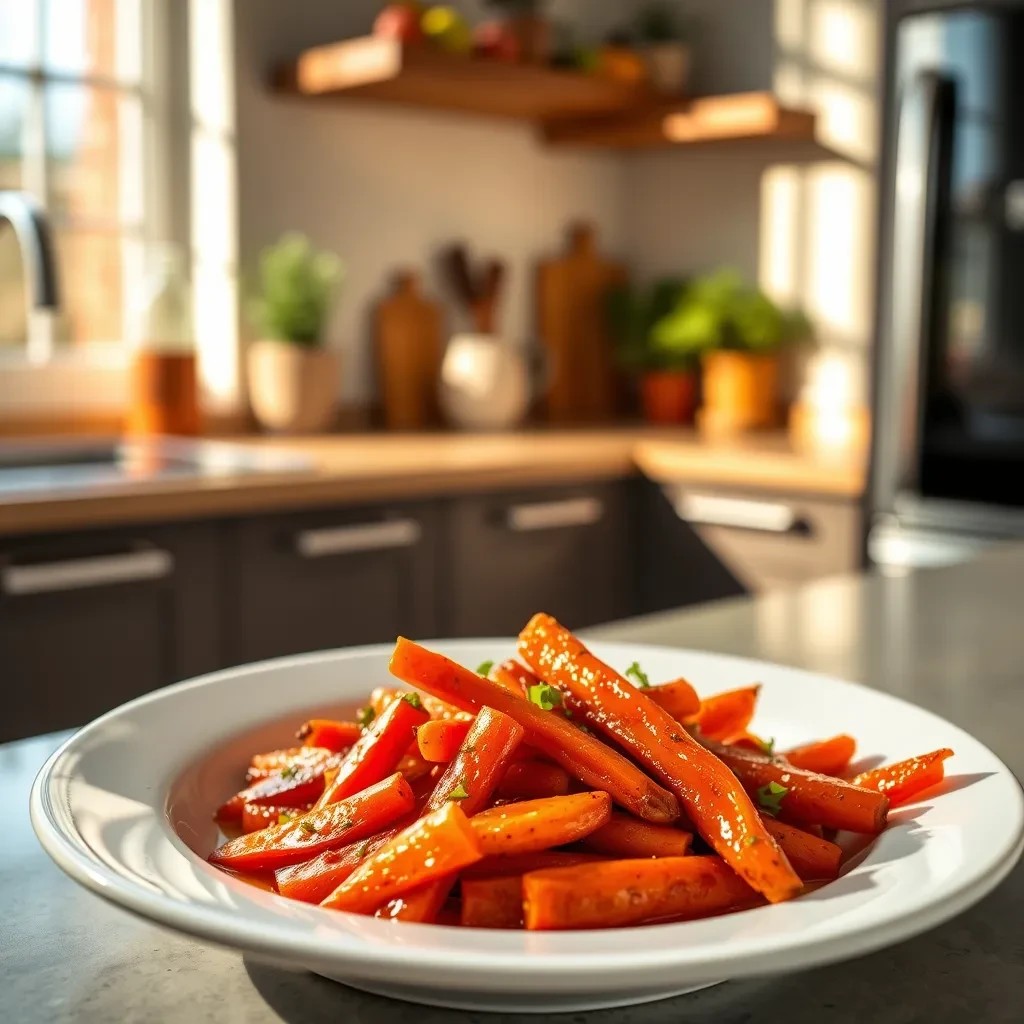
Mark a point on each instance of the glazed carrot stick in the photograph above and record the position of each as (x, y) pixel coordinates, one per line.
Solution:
(804, 797)
(580, 754)
(813, 858)
(435, 846)
(298, 785)
(625, 892)
(678, 698)
(492, 902)
(903, 781)
(382, 696)
(515, 677)
(712, 798)
(534, 825)
(530, 780)
(626, 836)
(826, 757)
(439, 739)
(264, 765)
(380, 749)
(257, 816)
(325, 732)
(358, 817)
(521, 863)
(726, 714)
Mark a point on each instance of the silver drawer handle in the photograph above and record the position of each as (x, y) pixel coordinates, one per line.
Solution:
(551, 515)
(343, 540)
(76, 573)
(739, 513)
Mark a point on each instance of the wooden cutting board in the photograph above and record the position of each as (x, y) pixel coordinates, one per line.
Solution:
(409, 343)
(572, 292)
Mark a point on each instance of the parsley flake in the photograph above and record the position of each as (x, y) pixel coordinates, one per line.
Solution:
(769, 798)
(361, 851)
(365, 716)
(484, 668)
(749, 840)
(459, 792)
(284, 817)
(308, 827)
(290, 772)
(637, 674)
(413, 698)
(768, 745)
(544, 696)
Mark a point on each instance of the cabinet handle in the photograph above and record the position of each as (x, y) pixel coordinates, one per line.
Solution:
(551, 515)
(76, 573)
(740, 513)
(343, 540)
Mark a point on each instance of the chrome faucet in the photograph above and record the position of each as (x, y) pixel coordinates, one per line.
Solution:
(36, 242)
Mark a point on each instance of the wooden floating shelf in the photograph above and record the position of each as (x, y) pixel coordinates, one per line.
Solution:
(570, 108)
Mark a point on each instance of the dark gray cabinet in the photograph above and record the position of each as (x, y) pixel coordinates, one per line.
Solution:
(90, 620)
(329, 578)
(562, 550)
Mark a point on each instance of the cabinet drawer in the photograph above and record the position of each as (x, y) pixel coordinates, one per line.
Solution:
(332, 578)
(560, 550)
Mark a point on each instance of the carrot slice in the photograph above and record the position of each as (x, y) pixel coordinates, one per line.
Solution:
(298, 785)
(355, 818)
(325, 732)
(826, 757)
(514, 676)
(712, 798)
(804, 797)
(580, 754)
(814, 859)
(435, 846)
(726, 714)
(271, 762)
(521, 863)
(626, 836)
(379, 751)
(904, 780)
(678, 698)
(439, 740)
(382, 696)
(530, 780)
(625, 892)
(257, 816)
(539, 824)
(492, 902)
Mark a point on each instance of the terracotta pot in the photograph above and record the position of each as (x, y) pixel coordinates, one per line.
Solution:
(741, 391)
(293, 389)
(533, 34)
(668, 396)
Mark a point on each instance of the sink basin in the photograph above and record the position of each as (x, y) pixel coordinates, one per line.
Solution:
(28, 467)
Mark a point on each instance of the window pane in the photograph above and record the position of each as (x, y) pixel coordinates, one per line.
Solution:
(99, 37)
(91, 285)
(13, 326)
(14, 100)
(17, 32)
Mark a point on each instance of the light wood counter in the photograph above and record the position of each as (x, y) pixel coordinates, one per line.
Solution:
(378, 467)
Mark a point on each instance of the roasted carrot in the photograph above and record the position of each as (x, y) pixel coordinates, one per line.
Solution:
(625, 892)
(514, 676)
(325, 732)
(804, 797)
(580, 754)
(529, 780)
(904, 780)
(298, 785)
(678, 698)
(432, 847)
(521, 863)
(826, 757)
(492, 902)
(726, 714)
(813, 858)
(380, 749)
(382, 696)
(712, 798)
(257, 816)
(626, 836)
(358, 817)
(439, 739)
(540, 824)
(264, 765)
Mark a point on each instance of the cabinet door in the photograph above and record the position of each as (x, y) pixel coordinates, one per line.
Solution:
(565, 551)
(317, 580)
(90, 620)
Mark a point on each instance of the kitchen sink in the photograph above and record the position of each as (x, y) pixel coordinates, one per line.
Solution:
(69, 467)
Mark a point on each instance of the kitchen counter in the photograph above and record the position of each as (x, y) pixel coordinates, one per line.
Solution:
(947, 639)
(378, 467)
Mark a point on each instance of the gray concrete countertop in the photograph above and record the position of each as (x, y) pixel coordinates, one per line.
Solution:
(951, 640)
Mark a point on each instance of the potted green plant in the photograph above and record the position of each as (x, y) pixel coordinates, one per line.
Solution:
(667, 379)
(738, 333)
(293, 377)
(528, 26)
(661, 36)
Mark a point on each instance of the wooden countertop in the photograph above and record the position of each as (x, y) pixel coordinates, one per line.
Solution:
(376, 467)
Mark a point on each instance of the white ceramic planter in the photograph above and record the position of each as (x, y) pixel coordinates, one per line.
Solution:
(485, 383)
(293, 389)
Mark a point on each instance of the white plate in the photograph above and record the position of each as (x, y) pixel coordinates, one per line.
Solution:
(124, 808)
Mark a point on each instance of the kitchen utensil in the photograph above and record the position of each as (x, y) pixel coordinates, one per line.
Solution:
(478, 294)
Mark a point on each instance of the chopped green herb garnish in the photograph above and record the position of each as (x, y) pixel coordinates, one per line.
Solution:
(413, 698)
(361, 851)
(637, 674)
(459, 792)
(365, 716)
(768, 745)
(308, 827)
(544, 696)
(769, 798)
(749, 840)
(289, 772)
(568, 712)
(284, 817)
(675, 737)
(484, 668)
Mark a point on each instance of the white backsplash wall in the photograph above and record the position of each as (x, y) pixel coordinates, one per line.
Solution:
(385, 187)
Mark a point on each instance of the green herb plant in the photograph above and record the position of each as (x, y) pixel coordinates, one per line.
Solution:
(632, 314)
(659, 23)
